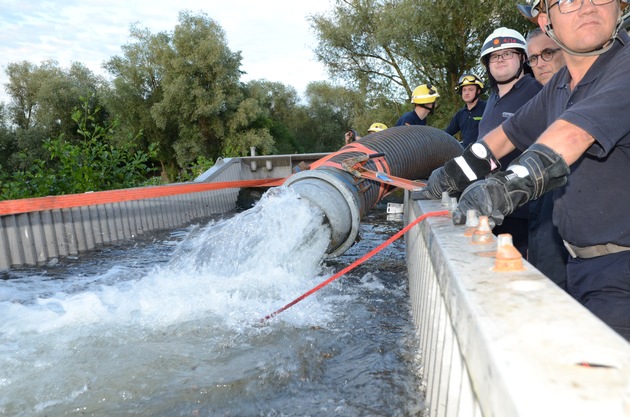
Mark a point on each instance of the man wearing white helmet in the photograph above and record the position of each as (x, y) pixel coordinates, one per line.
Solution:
(575, 137)
(503, 56)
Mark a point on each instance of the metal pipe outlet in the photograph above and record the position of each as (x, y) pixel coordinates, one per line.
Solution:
(410, 152)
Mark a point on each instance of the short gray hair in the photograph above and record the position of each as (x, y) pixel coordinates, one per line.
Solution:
(534, 33)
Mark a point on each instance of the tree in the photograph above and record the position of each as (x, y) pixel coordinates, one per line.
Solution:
(137, 86)
(390, 47)
(7, 139)
(201, 87)
(277, 104)
(23, 87)
(321, 123)
(42, 99)
(186, 90)
(92, 164)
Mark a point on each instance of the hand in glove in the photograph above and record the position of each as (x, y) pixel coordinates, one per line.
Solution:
(475, 163)
(537, 170)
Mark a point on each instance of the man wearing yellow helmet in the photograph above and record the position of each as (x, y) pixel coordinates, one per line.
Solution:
(575, 137)
(467, 119)
(377, 127)
(423, 98)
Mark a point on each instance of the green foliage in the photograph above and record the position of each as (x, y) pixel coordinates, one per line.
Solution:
(320, 124)
(198, 167)
(177, 97)
(181, 88)
(93, 164)
(7, 142)
(275, 113)
(388, 47)
(42, 99)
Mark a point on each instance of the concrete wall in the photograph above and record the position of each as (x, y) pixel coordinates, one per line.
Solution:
(505, 343)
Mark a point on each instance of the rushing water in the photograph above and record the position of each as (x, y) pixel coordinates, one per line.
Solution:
(169, 325)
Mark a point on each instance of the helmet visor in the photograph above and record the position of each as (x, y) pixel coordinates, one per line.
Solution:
(467, 79)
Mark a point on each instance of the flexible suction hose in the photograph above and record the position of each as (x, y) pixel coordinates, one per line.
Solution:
(411, 152)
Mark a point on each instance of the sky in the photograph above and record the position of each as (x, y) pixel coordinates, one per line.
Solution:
(274, 37)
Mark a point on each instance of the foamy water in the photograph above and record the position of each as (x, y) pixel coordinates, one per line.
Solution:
(178, 334)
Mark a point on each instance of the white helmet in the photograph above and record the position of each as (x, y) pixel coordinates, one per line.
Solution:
(530, 10)
(501, 38)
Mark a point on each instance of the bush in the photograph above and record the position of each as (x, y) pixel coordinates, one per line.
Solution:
(93, 164)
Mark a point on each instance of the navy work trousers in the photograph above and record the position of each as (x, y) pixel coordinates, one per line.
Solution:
(602, 285)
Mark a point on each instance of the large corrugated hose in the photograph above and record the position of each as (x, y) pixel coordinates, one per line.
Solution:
(410, 152)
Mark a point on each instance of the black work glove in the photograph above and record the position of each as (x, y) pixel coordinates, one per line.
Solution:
(537, 170)
(475, 163)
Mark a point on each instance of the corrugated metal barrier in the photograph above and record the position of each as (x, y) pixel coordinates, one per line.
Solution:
(35, 230)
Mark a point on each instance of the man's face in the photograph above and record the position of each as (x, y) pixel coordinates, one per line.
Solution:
(469, 93)
(585, 29)
(504, 69)
(544, 70)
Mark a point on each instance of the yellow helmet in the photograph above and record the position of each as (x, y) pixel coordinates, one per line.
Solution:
(424, 94)
(377, 127)
(468, 79)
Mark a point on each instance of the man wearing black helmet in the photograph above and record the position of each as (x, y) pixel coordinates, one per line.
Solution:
(467, 119)
(575, 137)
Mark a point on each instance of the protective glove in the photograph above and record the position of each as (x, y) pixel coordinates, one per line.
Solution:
(475, 163)
(537, 170)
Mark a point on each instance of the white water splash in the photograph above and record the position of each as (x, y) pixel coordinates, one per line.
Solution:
(58, 337)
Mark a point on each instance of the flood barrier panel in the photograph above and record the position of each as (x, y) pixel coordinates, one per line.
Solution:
(505, 343)
(36, 230)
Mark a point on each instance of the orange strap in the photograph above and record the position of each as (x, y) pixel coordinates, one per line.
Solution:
(395, 181)
(27, 205)
(381, 163)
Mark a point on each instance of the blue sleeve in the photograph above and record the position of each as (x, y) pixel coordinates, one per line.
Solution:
(453, 126)
(604, 115)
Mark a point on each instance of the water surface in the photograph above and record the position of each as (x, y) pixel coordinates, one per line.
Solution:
(169, 324)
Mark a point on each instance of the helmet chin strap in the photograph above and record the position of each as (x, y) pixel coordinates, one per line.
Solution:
(431, 109)
(597, 51)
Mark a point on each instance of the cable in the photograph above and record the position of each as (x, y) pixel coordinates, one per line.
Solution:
(357, 262)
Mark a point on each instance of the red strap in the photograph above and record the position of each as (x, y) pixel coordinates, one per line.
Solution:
(27, 205)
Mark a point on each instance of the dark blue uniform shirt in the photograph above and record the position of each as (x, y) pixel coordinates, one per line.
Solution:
(499, 109)
(467, 122)
(593, 208)
(411, 118)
